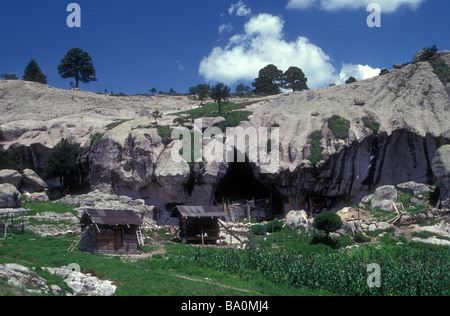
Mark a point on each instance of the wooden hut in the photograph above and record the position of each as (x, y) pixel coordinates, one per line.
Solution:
(110, 231)
(199, 224)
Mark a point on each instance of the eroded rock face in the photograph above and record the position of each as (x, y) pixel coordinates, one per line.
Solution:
(441, 169)
(410, 104)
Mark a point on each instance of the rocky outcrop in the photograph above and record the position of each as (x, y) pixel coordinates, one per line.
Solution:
(384, 198)
(81, 284)
(9, 196)
(441, 169)
(410, 105)
(10, 176)
(32, 182)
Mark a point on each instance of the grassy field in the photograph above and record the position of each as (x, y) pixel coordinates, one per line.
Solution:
(294, 267)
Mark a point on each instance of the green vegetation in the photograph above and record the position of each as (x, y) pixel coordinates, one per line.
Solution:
(441, 69)
(316, 150)
(339, 126)
(95, 139)
(295, 266)
(271, 79)
(115, 124)
(165, 132)
(351, 80)
(2, 135)
(77, 64)
(34, 73)
(328, 222)
(62, 162)
(220, 93)
(372, 125)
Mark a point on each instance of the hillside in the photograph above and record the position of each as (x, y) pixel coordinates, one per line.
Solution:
(396, 124)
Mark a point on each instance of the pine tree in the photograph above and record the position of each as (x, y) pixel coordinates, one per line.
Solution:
(220, 93)
(268, 81)
(77, 64)
(34, 73)
(295, 79)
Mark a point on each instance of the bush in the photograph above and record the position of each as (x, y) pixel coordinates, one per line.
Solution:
(258, 230)
(316, 150)
(274, 226)
(328, 222)
(339, 127)
(372, 125)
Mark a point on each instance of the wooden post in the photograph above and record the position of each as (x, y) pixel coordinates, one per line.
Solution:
(248, 212)
(310, 208)
(203, 241)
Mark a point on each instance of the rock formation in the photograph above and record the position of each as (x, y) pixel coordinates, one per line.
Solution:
(411, 106)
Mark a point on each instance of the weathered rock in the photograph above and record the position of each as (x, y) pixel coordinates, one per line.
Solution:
(406, 219)
(413, 187)
(83, 284)
(32, 182)
(383, 225)
(25, 278)
(441, 169)
(9, 196)
(36, 197)
(384, 198)
(10, 176)
(295, 219)
(420, 56)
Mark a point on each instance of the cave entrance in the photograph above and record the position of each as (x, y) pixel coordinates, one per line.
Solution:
(241, 185)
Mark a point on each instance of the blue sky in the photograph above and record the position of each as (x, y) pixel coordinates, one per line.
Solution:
(137, 45)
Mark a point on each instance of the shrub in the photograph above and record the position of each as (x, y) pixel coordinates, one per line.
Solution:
(441, 69)
(165, 132)
(328, 222)
(316, 150)
(258, 230)
(274, 226)
(339, 126)
(372, 125)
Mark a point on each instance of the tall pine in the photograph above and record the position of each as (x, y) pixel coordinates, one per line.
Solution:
(77, 64)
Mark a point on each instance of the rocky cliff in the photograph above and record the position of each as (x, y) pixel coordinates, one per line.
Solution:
(396, 123)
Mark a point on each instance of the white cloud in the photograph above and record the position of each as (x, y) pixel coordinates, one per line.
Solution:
(225, 28)
(360, 72)
(387, 6)
(240, 9)
(263, 43)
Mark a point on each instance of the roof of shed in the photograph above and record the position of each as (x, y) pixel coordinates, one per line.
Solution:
(199, 211)
(113, 217)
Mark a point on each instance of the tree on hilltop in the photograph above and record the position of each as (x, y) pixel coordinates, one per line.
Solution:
(77, 64)
(295, 79)
(268, 81)
(220, 93)
(34, 73)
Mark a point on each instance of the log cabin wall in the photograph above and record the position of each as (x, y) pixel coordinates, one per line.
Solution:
(110, 240)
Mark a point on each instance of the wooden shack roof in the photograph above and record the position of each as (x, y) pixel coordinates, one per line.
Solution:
(198, 211)
(111, 217)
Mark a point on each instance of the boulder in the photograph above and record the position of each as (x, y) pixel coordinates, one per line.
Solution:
(383, 225)
(10, 176)
(9, 196)
(420, 56)
(384, 198)
(32, 182)
(406, 219)
(441, 169)
(37, 197)
(295, 219)
(413, 187)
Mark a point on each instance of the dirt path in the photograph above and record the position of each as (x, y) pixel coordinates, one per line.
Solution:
(210, 282)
